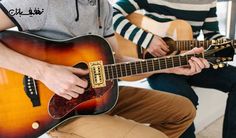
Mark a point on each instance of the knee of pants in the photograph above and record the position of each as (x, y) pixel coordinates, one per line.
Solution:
(188, 110)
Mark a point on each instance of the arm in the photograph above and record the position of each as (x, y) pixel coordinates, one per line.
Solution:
(50, 75)
(210, 26)
(153, 43)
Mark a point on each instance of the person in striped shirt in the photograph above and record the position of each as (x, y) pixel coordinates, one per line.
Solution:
(201, 15)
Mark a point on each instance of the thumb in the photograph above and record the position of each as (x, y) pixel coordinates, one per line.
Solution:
(195, 50)
(79, 71)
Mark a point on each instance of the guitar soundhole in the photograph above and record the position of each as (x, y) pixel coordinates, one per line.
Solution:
(84, 66)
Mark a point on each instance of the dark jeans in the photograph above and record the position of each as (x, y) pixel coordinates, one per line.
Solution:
(223, 79)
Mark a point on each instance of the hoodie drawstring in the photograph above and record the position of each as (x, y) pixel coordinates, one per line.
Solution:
(99, 13)
(99, 16)
(77, 11)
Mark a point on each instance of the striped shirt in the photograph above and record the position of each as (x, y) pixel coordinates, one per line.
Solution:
(200, 14)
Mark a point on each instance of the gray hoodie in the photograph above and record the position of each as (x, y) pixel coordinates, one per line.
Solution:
(60, 19)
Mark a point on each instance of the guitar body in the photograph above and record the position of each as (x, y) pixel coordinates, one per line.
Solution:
(176, 30)
(26, 116)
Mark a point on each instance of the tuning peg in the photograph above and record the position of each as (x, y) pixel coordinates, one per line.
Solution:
(229, 58)
(223, 59)
(216, 47)
(224, 40)
(218, 60)
(215, 66)
(213, 41)
(221, 65)
(222, 47)
(228, 45)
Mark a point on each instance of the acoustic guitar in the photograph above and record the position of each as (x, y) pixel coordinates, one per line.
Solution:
(28, 108)
(177, 34)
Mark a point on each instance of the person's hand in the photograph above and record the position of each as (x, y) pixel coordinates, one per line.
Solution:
(195, 64)
(63, 81)
(158, 47)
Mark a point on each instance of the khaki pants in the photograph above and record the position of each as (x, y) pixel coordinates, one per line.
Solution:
(166, 115)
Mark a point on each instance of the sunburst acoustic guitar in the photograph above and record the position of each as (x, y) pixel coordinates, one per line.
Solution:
(28, 108)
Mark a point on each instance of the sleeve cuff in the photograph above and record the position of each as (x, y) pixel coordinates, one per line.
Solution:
(106, 36)
(147, 40)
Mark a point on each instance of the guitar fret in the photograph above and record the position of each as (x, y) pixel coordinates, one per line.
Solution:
(139, 67)
(114, 71)
(196, 44)
(147, 66)
(150, 65)
(176, 61)
(138, 70)
(162, 63)
(144, 66)
(112, 74)
(159, 63)
(123, 69)
(135, 66)
(153, 65)
(173, 65)
(191, 45)
(131, 72)
(133, 69)
(107, 72)
(187, 58)
(188, 45)
(128, 71)
(184, 45)
(180, 60)
(156, 64)
(166, 63)
(177, 44)
(118, 70)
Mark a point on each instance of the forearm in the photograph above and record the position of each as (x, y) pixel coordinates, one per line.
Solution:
(14, 61)
(130, 31)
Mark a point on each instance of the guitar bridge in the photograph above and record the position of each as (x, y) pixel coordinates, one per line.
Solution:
(97, 74)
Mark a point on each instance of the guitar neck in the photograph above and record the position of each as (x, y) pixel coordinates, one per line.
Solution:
(115, 71)
(190, 44)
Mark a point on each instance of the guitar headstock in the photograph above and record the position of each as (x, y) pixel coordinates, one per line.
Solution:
(219, 53)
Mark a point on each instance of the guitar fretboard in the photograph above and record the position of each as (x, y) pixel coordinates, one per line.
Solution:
(190, 44)
(114, 71)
